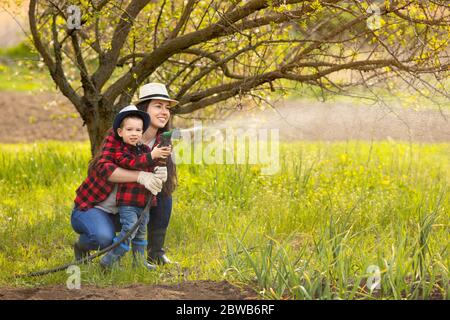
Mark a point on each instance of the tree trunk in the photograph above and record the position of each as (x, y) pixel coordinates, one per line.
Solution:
(96, 133)
(98, 123)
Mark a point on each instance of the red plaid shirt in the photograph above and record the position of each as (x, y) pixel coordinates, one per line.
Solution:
(115, 153)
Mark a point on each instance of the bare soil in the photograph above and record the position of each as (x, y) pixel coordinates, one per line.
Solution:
(198, 290)
(30, 117)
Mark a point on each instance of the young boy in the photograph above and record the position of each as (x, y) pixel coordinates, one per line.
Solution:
(129, 125)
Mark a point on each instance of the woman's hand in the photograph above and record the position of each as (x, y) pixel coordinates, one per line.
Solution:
(161, 152)
(150, 181)
(161, 173)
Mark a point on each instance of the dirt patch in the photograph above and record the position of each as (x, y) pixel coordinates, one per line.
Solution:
(196, 290)
(29, 117)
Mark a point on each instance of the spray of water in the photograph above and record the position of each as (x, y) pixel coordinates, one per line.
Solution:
(178, 132)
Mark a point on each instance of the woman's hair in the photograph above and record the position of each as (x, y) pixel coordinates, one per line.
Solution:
(172, 180)
(98, 154)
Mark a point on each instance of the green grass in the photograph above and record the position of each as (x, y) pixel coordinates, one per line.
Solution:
(22, 71)
(24, 77)
(20, 51)
(309, 232)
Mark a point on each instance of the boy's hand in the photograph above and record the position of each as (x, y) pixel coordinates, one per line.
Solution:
(161, 152)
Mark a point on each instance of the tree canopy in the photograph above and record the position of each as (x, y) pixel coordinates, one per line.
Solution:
(210, 51)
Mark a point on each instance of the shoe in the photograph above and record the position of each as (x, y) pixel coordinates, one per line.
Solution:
(113, 256)
(80, 252)
(160, 259)
(138, 249)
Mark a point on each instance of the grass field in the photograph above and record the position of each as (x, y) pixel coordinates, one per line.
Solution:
(333, 213)
(22, 78)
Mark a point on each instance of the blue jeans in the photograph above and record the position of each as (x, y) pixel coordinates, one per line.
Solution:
(160, 215)
(95, 227)
(98, 228)
(128, 218)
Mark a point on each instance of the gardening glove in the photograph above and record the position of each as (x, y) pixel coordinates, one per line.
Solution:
(150, 181)
(154, 185)
(161, 173)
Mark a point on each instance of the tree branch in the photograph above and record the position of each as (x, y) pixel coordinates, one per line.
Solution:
(184, 18)
(127, 83)
(54, 66)
(109, 60)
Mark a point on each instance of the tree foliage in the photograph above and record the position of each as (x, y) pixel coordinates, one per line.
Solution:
(211, 51)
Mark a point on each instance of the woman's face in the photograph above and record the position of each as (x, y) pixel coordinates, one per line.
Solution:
(159, 113)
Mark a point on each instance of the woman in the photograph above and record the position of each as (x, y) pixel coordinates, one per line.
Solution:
(97, 226)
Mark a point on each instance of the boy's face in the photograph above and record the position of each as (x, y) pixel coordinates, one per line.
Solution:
(131, 130)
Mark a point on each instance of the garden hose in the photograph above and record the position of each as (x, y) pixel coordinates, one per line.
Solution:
(89, 258)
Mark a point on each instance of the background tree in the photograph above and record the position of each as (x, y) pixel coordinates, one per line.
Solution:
(211, 51)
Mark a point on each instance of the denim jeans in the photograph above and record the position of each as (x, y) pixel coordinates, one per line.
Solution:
(95, 227)
(128, 218)
(160, 215)
(98, 228)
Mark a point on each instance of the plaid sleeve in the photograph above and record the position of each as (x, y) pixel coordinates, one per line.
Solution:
(105, 166)
(105, 169)
(128, 160)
